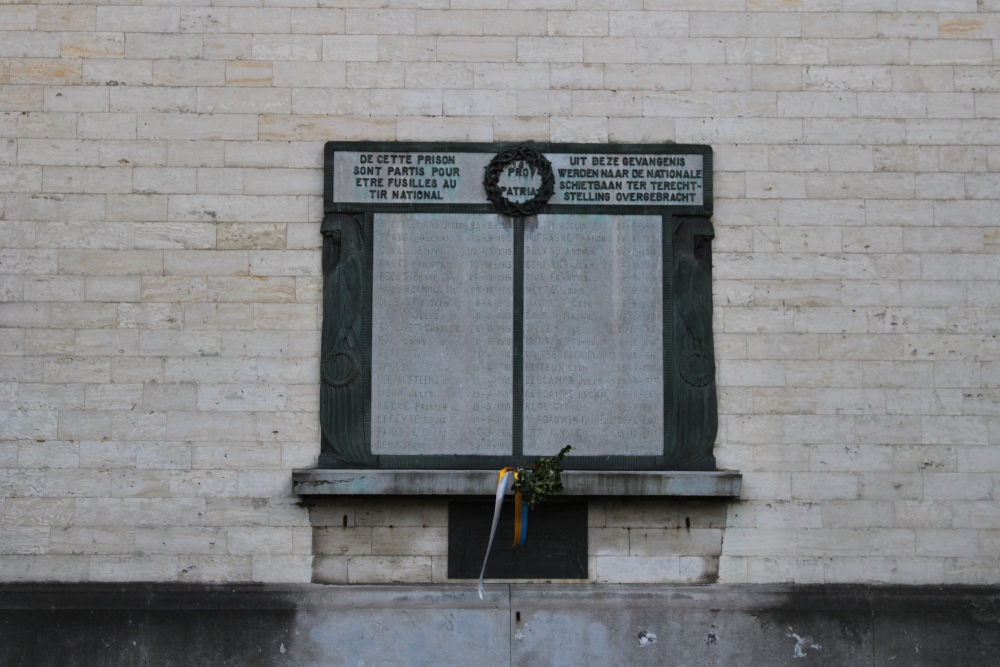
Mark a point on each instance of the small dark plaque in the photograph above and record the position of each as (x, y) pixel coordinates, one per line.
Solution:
(556, 547)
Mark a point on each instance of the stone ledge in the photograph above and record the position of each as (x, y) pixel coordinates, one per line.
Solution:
(483, 483)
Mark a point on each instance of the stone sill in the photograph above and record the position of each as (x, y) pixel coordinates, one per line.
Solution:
(484, 483)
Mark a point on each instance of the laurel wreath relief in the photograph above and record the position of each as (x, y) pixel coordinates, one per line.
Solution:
(537, 162)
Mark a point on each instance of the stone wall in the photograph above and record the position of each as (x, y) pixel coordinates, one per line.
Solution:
(631, 541)
(160, 193)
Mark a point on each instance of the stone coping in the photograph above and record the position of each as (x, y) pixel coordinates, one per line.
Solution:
(725, 484)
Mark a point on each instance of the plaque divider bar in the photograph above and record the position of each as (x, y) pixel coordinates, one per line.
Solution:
(366, 375)
(517, 400)
(670, 372)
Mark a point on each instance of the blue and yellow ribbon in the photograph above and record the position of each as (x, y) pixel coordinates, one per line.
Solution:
(505, 478)
(520, 519)
(502, 484)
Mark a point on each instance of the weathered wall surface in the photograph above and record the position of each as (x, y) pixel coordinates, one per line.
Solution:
(160, 186)
(307, 625)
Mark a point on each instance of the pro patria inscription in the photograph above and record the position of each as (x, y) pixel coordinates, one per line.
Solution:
(486, 304)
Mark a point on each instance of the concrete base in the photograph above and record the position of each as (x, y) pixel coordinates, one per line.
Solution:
(693, 626)
(607, 484)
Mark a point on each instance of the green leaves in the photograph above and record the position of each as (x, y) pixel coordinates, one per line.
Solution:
(542, 479)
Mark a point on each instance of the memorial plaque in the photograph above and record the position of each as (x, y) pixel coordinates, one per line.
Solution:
(442, 336)
(556, 547)
(484, 304)
(593, 335)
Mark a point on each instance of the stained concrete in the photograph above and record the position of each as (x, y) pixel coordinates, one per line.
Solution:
(524, 625)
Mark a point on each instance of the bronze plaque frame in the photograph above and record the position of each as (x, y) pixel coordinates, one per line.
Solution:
(690, 420)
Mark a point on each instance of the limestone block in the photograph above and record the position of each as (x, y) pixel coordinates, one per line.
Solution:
(24, 540)
(163, 46)
(951, 543)
(645, 24)
(107, 126)
(651, 542)
(185, 540)
(38, 512)
(99, 540)
(275, 181)
(753, 429)
(824, 486)
(764, 485)
(759, 542)
(511, 76)
(454, 22)
(899, 486)
(201, 126)
(833, 543)
(113, 396)
(264, 484)
(76, 483)
(133, 568)
(394, 569)
(256, 343)
(227, 289)
(260, 20)
(825, 25)
(107, 454)
(794, 51)
(213, 569)
(408, 541)
(114, 73)
(138, 425)
(203, 19)
(44, 568)
(170, 235)
(288, 512)
(968, 570)
(234, 512)
(228, 47)
(234, 456)
(486, 49)
(381, 21)
(209, 484)
(785, 568)
(153, 99)
(138, 19)
(237, 100)
(319, 21)
(858, 514)
(163, 455)
(61, 18)
(777, 77)
(329, 570)
(787, 514)
(950, 52)
(197, 426)
(479, 103)
(370, 74)
(608, 541)
(847, 77)
(636, 570)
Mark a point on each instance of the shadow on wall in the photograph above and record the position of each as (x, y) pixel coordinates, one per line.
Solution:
(377, 540)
